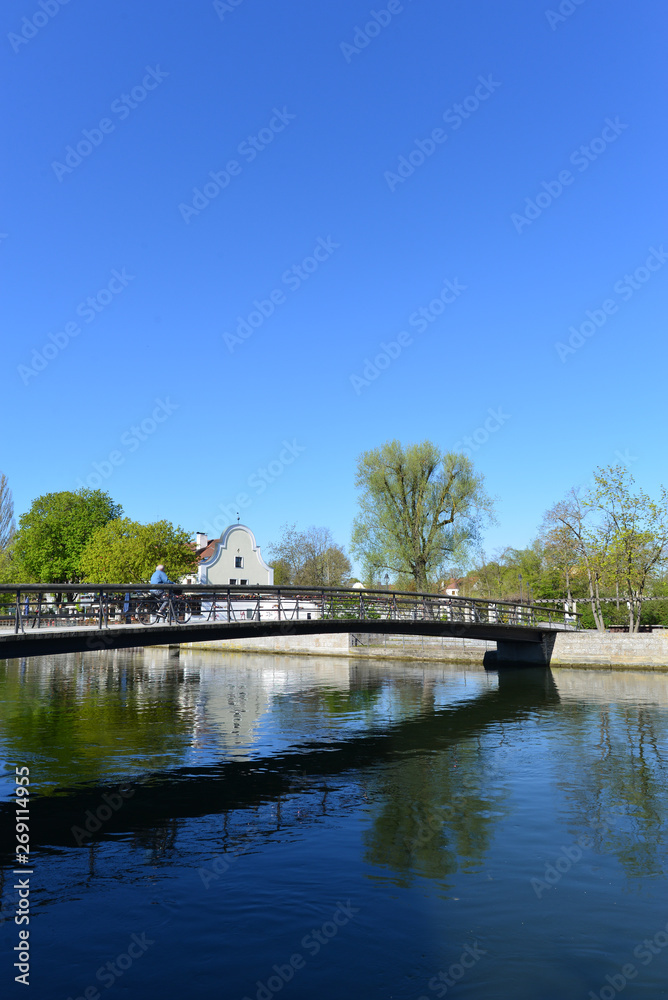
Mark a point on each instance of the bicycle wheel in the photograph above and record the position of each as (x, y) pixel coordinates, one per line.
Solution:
(182, 612)
(147, 612)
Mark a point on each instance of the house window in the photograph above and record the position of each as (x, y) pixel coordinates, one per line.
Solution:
(243, 582)
(233, 582)
(238, 562)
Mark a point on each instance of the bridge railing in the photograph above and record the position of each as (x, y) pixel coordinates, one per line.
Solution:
(38, 606)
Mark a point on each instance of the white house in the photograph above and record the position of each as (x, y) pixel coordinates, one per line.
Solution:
(234, 559)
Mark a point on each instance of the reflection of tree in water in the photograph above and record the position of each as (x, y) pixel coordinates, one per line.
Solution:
(620, 796)
(93, 713)
(435, 814)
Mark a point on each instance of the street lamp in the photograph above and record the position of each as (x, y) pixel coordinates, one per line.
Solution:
(387, 580)
(520, 579)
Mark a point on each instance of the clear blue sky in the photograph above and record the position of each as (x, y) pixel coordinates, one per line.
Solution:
(304, 121)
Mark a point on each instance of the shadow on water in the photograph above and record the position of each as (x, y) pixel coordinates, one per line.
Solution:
(162, 796)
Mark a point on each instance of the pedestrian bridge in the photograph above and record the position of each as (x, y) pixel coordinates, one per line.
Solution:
(41, 619)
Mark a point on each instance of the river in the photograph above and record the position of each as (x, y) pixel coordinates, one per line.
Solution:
(241, 826)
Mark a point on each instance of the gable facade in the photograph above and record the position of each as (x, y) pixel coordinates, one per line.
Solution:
(234, 559)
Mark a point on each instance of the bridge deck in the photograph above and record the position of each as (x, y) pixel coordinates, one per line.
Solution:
(59, 618)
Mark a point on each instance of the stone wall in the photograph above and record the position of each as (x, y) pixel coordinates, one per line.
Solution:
(576, 649)
(611, 649)
(410, 647)
(337, 644)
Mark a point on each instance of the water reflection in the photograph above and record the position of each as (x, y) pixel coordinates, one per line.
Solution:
(394, 777)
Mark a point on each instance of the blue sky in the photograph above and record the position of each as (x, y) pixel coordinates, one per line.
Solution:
(258, 200)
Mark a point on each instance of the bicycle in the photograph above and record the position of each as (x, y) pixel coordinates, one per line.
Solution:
(149, 611)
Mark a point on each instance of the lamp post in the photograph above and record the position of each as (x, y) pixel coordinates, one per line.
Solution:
(387, 580)
(519, 575)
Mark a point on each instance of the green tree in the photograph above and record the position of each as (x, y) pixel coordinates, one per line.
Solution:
(618, 537)
(309, 558)
(419, 506)
(636, 529)
(282, 572)
(124, 551)
(54, 532)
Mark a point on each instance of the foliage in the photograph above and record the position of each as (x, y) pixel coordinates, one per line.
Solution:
(309, 558)
(419, 506)
(282, 572)
(636, 531)
(7, 526)
(124, 551)
(54, 532)
(616, 537)
(514, 574)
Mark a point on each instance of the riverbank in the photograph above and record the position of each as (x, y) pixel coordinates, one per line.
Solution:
(646, 651)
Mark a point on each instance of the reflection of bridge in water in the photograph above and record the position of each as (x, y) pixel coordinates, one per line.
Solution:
(161, 798)
(39, 619)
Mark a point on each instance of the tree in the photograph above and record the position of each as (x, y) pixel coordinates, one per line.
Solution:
(54, 532)
(561, 557)
(636, 528)
(124, 551)
(419, 506)
(619, 537)
(309, 558)
(7, 526)
(8, 566)
(569, 523)
(282, 572)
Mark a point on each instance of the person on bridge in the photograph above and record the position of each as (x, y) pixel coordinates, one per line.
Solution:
(161, 577)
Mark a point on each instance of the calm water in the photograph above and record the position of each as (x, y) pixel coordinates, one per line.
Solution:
(319, 828)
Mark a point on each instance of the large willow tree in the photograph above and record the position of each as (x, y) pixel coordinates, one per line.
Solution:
(419, 507)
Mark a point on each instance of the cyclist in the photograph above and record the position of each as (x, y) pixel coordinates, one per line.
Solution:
(161, 577)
